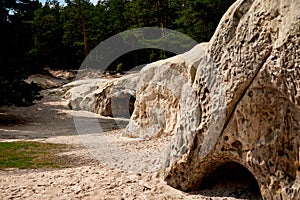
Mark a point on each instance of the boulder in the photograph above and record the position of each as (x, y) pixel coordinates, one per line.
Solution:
(80, 94)
(237, 106)
(116, 98)
(108, 97)
(159, 91)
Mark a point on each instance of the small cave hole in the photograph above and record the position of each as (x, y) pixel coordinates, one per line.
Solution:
(250, 94)
(230, 180)
(131, 105)
(280, 153)
(237, 144)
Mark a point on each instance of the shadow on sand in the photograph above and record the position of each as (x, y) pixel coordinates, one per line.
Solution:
(50, 117)
(230, 180)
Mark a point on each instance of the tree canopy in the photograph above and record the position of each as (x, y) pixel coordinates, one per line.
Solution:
(35, 36)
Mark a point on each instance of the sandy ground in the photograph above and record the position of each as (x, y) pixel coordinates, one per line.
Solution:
(105, 165)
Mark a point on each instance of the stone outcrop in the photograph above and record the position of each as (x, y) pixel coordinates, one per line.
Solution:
(116, 98)
(108, 97)
(159, 93)
(236, 102)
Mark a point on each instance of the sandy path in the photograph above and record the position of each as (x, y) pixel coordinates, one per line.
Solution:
(118, 168)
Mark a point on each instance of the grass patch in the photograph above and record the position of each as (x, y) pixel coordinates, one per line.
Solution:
(31, 155)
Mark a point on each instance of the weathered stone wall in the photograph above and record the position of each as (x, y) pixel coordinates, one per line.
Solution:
(233, 100)
(248, 95)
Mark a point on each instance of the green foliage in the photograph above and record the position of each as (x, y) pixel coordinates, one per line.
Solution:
(15, 52)
(59, 38)
(35, 36)
(119, 67)
(30, 155)
(199, 18)
(47, 35)
(19, 93)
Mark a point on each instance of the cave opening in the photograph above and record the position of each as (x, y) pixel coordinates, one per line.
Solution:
(131, 105)
(231, 180)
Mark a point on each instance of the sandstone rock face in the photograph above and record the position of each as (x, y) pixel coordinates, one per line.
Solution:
(239, 102)
(80, 94)
(116, 98)
(108, 97)
(159, 93)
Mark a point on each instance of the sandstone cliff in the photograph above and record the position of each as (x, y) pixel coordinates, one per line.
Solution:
(232, 101)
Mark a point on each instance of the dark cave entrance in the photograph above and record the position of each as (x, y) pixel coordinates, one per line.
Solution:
(131, 104)
(231, 180)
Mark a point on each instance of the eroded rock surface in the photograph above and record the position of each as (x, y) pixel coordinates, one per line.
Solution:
(237, 103)
(108, 97)
(159, 93)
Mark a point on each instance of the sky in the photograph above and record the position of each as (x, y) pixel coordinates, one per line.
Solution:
(62, 2)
